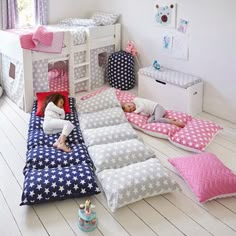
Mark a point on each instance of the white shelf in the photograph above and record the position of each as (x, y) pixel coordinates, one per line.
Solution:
(81, 64)
(81, 80)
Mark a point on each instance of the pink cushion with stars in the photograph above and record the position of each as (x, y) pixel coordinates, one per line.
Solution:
(195, 136)
(206, 175)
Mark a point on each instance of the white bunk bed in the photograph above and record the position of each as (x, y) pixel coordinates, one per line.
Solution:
(96, 38)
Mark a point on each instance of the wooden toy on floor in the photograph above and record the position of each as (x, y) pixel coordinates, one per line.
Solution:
(87, 217)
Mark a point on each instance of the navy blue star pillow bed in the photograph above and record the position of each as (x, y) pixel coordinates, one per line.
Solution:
(51, 174)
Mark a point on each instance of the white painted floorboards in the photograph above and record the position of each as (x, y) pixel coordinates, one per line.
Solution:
(172, 214)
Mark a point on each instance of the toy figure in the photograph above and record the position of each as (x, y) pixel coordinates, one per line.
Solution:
(87, 217)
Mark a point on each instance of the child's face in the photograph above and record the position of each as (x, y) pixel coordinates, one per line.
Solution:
(129, 107)
(60, 103)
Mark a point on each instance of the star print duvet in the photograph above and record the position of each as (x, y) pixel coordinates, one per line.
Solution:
(127, 169)
(51, 174)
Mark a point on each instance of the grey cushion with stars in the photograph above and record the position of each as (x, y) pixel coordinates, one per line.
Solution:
(120, 154)
(108, 117)
(102, 101)
(134, 182)
(109, 134)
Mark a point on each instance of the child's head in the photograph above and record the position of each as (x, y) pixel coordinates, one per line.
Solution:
(57, 98)
(128, 107)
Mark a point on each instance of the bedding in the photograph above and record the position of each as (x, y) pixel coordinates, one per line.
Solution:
(125, 166)
(195, 136)
(108, 117)
(108, 134)
(58, 79)
(78, 32)
(206, 175)
(79, 22)
(135, 182)
(119, 154)
(102, 101)
(51, 174)
(41, 96)
(105, 18)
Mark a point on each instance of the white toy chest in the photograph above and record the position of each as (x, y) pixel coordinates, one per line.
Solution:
(172, 89)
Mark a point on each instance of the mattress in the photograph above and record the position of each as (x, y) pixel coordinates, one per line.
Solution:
(78, 32)
(51, 174)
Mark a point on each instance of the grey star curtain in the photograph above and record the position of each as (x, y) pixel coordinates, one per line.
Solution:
(41, 12)
(9, 14)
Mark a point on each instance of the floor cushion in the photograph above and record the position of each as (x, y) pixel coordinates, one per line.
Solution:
(206, 175)
(108, 117)
(195, 136)
(102, 101)
(134, 182)
(58, 184)
(108, 134)
(51, 174)
(119, 154)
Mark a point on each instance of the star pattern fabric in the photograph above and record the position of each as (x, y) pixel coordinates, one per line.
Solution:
(108, 117)
(119, 154)
(195, 136)
(120, 72)
(51, 174)
(102, 101)
(134, 182)
(127, 169)
(36, 136)
(109, 134)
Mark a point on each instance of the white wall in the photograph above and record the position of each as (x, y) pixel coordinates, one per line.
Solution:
(212, 50)
(61, 9)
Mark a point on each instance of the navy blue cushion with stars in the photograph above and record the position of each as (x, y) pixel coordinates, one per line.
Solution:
(51, 174)
(58, 184)
(49, 157)
(36, 136)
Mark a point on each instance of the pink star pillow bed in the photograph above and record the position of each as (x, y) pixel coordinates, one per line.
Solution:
(206, 175)
(195, 136)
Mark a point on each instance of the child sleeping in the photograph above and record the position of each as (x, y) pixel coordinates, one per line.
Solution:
(54, 120)
(147, 107)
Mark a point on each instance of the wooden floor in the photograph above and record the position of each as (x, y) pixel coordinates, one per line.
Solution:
(172, 214)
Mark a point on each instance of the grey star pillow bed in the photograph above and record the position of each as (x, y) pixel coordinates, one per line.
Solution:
(119, 154)
(109, 134)
(135, 182)
(108, 117)
(102, 101)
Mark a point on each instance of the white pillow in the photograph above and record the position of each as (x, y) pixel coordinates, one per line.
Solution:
(134, 182)
(105, 18)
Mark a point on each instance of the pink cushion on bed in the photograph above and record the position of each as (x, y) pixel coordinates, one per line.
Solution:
(197, 134)
(206, 175)
(42, 36)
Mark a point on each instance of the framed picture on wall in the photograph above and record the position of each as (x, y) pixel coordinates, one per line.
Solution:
(166, 15)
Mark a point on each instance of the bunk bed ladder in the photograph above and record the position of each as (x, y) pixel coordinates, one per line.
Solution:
(72, 78)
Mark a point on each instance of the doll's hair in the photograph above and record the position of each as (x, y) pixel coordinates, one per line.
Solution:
(55, 97)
